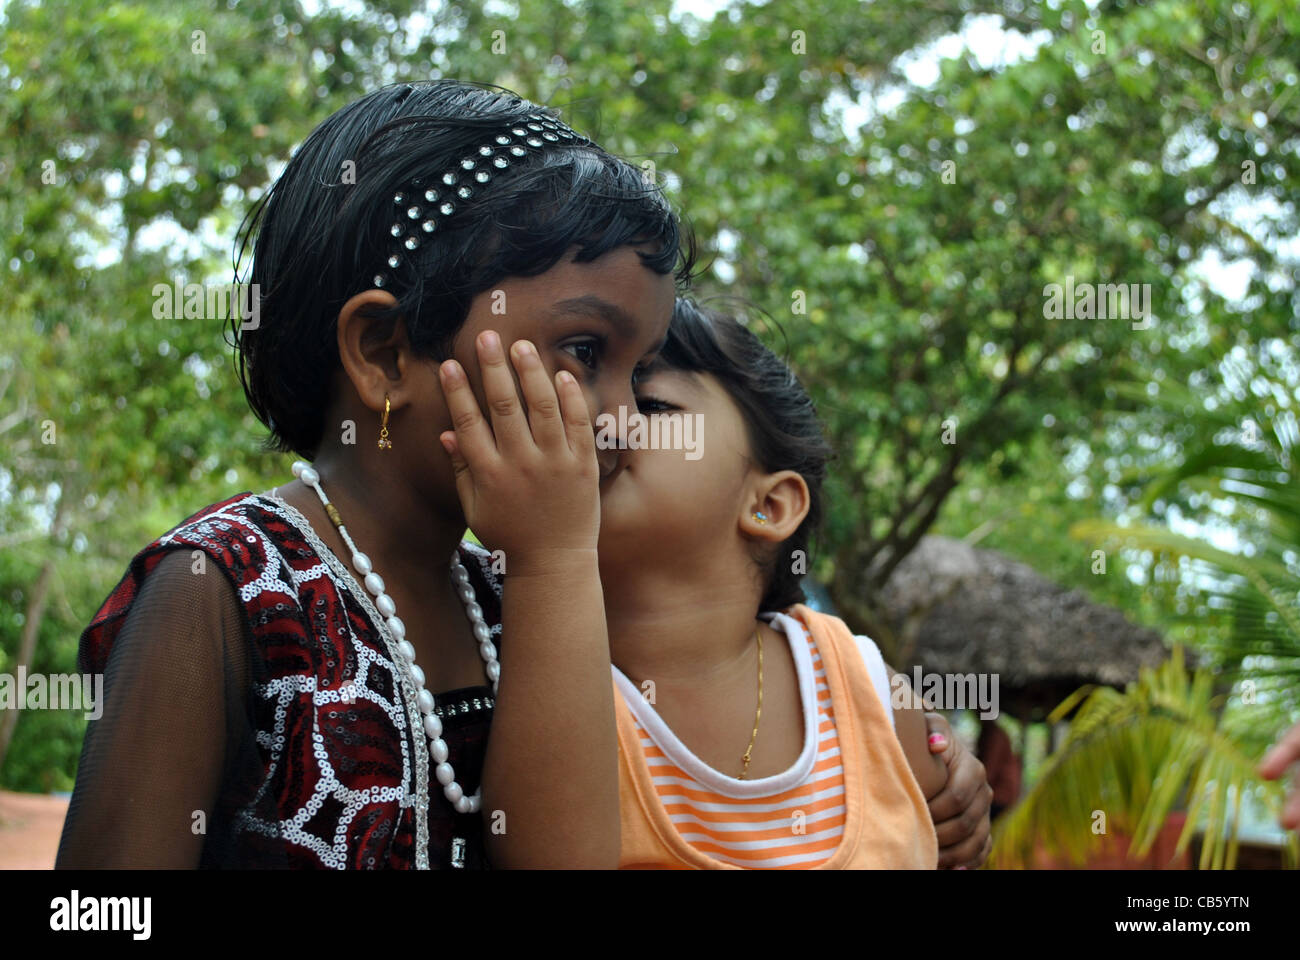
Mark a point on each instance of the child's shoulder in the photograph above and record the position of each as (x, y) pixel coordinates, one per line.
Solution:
(835, 630)
(220, 522)
(230, 535)
(254, 539)
(832, 627)
(828, 622)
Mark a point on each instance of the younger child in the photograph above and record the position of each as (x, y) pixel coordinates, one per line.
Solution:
(753, 732)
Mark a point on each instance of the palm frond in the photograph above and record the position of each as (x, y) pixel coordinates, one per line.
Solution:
(1128, 761)
(1261, 591)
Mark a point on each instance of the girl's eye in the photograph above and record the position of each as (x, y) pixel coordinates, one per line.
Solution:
(585, 351)
(648, 405)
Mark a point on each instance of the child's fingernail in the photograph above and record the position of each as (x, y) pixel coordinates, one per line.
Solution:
(525, 352)
(566, 377)
(491, 343)
(450, 371)
(938, 738)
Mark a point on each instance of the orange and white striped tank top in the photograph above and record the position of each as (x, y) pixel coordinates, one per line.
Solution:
(679, 812)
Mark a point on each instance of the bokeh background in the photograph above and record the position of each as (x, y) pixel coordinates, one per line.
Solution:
(1102, 511)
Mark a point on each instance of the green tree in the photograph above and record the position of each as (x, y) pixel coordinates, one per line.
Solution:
(905, 256)
(118, 120)
(1172, 741)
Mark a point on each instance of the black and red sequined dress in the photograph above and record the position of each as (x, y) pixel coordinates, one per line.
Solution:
(265, 726)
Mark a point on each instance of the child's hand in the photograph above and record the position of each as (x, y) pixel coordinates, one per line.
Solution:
(961, 809)
(529, 484)
(1285, 752)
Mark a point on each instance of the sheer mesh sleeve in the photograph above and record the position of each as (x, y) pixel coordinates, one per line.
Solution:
(163, 765)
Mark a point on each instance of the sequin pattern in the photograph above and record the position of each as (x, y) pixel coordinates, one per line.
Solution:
(345, 760)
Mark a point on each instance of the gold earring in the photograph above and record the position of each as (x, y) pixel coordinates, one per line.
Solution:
(760, 516)
(384, 442)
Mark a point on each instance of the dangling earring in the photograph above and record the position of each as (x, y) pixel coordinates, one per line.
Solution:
(384, 442)
(760, 516)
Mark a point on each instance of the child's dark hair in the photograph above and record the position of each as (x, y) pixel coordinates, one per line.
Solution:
(322, 230)
(784, 432)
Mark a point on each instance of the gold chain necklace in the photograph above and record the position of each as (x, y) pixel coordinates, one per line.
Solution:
(759, 637)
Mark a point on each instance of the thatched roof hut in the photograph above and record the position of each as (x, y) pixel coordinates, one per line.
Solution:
(956, 609)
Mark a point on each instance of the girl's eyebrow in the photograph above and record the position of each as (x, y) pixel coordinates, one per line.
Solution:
(593, 306)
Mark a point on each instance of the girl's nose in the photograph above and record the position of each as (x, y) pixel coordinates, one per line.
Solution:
(624, 397)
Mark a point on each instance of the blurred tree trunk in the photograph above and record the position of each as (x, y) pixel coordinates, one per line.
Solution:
(33, 615)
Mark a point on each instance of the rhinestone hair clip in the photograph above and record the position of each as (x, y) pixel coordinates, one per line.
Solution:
(422, 209)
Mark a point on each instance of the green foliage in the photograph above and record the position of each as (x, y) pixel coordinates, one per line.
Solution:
(1132, 758)
(124, 422)
(1171, 742)
(1249, 592)
(910, 294)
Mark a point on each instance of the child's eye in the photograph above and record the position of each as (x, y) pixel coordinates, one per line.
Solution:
(585, 352)
(648, 405)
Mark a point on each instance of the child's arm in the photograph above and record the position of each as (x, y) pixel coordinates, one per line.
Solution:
(530, 487)
(961, 810)
(909, 724)
(153, 752)
(953, 780)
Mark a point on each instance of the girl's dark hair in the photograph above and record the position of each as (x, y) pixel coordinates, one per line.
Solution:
(322, 234)
(784, 432)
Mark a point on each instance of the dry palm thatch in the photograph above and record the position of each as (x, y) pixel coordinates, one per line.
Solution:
(955, 609)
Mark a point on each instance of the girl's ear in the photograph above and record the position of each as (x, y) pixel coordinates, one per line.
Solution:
(779, 504)
(375, 354)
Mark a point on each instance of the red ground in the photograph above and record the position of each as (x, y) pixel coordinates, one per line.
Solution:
(30, 825)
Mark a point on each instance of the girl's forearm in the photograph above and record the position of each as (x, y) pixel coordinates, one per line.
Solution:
(550, 777)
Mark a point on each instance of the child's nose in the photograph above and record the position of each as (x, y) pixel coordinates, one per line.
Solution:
(611, 419)
(608, 461)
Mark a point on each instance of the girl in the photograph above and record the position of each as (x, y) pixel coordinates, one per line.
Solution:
(299, 678)
(753, 732)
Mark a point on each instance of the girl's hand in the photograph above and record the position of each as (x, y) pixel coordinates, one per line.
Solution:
(529, 483)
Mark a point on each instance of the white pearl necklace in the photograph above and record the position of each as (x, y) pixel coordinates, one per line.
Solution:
(388, 610)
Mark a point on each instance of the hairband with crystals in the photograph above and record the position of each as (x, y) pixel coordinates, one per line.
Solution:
(421, 210)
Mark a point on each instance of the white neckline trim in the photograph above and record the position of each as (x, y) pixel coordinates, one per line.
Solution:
(681, 756)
